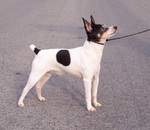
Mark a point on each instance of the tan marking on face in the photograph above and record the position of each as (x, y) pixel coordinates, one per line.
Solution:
(99, 35)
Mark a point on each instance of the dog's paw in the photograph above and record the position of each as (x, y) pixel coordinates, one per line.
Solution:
(42, 99)
(92, 109)
(97, 105)
(21, 104)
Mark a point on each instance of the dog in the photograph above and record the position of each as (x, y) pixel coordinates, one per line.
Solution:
(83, 62)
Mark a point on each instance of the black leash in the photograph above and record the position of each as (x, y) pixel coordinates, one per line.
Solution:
(128, 35)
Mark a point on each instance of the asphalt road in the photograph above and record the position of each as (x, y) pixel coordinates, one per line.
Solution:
(124, 88)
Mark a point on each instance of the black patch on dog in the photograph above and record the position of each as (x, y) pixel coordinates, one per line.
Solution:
(36, 51)
(63, 57)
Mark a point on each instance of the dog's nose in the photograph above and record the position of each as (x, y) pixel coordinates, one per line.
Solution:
(115, 27)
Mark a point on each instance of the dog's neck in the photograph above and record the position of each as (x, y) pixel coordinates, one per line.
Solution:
(102, 42)
(93, 47)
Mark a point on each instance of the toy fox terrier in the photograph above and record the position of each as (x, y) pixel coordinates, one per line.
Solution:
(83, 62)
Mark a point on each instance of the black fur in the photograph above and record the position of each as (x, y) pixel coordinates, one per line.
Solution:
(36, 51)
(63, 57)
(94, 31)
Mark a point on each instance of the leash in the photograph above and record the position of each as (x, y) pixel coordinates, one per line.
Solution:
(128, 35)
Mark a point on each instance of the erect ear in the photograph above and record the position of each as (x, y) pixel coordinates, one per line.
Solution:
(87, 25)
(92, 21)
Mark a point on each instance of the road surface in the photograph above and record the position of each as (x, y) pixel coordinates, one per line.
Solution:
(124, 88)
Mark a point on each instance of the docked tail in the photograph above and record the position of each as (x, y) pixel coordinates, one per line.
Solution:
(33, 48)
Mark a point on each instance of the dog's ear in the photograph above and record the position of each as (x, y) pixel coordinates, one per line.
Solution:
(92, 21)
(87, 25)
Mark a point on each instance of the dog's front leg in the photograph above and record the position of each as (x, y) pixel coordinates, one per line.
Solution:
(95, 87)
(87, 85)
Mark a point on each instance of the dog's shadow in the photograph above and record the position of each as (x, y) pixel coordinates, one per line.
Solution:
(70, 86)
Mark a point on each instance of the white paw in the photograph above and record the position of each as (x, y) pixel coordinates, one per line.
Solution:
(42, 99)
(92, 109)
(97, 105)
(21, 104)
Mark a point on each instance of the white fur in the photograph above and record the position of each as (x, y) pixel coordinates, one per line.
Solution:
(85, 63)
(32, 47)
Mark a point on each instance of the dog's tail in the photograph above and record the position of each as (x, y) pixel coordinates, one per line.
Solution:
(33, 48)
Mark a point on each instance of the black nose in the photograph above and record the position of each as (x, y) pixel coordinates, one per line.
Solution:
(115, 27)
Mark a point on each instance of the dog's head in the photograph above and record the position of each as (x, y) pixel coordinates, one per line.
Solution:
(98, 33)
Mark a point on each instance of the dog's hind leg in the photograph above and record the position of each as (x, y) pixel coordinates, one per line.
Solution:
(33, 79)
(40, 84)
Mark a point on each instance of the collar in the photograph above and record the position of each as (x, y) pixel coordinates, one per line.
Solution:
(100, 43)
(96, 42)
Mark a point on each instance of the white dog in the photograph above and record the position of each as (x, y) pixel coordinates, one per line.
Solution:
(83, 62)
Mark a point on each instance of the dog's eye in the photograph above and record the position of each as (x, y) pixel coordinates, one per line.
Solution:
(103, 27)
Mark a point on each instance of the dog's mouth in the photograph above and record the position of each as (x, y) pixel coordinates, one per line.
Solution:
(111, 31)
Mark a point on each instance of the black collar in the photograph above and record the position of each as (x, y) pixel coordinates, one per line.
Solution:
(100, 43)
(96, 42)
